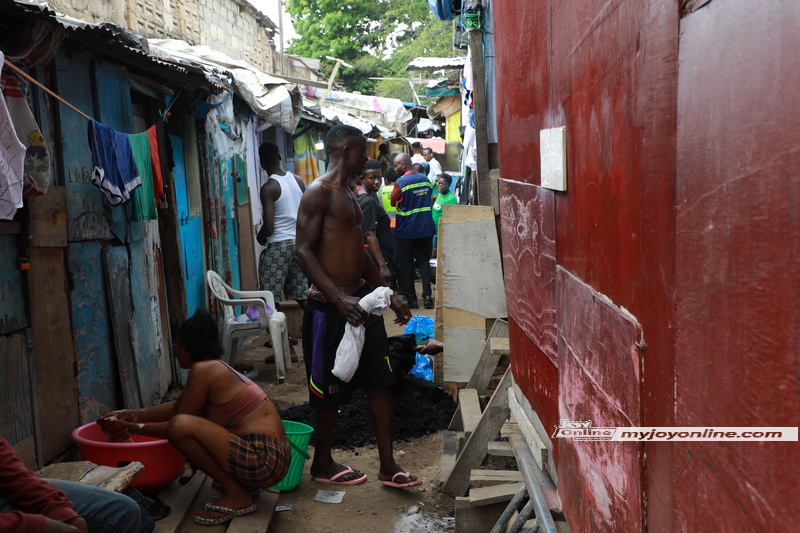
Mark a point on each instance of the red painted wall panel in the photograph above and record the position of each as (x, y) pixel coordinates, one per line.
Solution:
(608, 71)
(599, 380)
(527, 222)
(738, 261)
(536, 376)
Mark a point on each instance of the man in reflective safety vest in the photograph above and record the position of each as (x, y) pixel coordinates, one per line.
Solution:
(414, 230)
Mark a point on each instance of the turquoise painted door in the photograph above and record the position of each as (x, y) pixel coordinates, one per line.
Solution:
(191, 233)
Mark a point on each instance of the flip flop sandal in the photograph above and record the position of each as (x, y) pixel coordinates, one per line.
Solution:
(394, 484)
(228, 514)
(334, 478)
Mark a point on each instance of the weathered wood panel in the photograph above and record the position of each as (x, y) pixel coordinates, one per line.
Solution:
(16, 406)
(528, 229)
(85, 203)
(53, 350)
(599, 380)
(146, 325)
(116, 111)
(738, 257)
(118, 284)
(12, 300)
(47, 217)
(97, 381)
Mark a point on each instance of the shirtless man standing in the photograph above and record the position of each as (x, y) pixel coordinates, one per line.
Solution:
(330, 249)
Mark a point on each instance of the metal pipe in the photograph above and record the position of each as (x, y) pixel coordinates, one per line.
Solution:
(526, 465)
(510, 509)
(526, 513)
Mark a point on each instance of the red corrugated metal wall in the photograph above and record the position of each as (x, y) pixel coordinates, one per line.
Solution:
(661, 269)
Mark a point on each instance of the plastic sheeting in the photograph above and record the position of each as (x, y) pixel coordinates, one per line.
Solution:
(273, 99)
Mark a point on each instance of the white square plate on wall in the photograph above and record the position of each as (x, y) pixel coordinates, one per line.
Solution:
(553, 151)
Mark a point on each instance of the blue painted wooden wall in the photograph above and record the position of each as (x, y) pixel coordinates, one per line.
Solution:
(12, 301)
(16, 414)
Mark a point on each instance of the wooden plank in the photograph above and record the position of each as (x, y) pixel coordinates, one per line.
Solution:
(16, 406)
(495, 494)
(470, 410)
(538, 448)
(509, 428)
(450, 445)
(118, 284)
(180, 499)
(500, 346)
(56, 394)
(471, 519)
(494, 477)
(205, 495)
(25, 451)
(260, 521)
(12, 299)
(499, 448)
(97, 383)
(48, 218)
(475, 449)
(482, 188)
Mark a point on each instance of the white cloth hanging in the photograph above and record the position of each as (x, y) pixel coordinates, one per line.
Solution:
(12, 162)
(348, 354)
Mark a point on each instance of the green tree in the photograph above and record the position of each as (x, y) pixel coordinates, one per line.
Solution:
(377, 37)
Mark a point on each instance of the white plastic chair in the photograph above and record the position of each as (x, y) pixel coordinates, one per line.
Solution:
(274, 326)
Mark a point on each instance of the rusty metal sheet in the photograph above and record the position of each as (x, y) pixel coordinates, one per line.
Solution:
(12, 299)
(599, 380)
(527, 227)
(97, 381)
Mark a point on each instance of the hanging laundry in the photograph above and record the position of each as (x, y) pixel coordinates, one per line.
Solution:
(305, 158)
(155, 159)
(37, 158)
(115, 172)
(144, 203)
(12, 163)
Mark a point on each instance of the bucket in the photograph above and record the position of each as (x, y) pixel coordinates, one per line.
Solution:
(299, 436)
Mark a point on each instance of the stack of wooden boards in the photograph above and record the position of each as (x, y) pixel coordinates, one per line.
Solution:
(500, 428)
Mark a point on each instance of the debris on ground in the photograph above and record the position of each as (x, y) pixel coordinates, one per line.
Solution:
(420, 408)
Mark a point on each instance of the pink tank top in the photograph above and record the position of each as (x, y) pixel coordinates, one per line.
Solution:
(231, 413)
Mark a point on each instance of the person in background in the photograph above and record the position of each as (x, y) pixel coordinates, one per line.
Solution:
(222, 422)
(415, 230)
(30, 504)
(376, 225)
(385, 194)
(278, 271)
(416, 153)
(435, 166)
(383, 157)
(446, 196)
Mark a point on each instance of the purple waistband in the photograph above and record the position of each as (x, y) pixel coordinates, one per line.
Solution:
(317, 295)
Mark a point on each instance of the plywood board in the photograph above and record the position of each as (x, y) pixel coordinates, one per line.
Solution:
(51, 331)
(473, 275)
(462, 351)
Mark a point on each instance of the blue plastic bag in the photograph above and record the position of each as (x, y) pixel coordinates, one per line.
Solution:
(423, 368)
(422, 328)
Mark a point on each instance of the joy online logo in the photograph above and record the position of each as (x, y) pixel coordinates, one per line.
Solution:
(582, 430)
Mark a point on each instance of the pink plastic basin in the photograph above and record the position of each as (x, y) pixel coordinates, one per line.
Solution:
(162, 461)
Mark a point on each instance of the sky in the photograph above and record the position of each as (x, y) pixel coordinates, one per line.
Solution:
(270, 9)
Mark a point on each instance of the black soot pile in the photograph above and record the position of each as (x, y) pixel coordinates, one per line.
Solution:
(420, 408)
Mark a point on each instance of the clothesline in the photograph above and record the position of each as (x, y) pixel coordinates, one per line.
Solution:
(45, 89)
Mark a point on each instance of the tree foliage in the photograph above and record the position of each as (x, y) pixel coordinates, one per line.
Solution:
(378, 37)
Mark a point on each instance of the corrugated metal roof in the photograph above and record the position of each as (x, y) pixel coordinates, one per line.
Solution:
(437, 63)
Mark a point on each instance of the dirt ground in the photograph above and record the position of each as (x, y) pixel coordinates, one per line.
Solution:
(367, 507)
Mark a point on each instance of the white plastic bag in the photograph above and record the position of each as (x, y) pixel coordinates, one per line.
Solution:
(348, 354)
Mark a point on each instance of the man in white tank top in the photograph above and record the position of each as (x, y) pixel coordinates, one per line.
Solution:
(278, 271)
